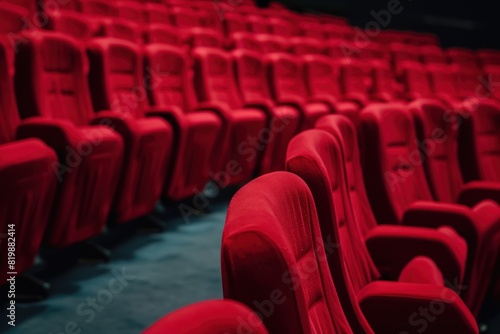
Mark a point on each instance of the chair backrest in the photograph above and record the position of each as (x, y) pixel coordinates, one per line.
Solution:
(322, 76)
(233, 22)
(489, 57)
(437, 128)
(156, 13)
(306, 45)
(384, 86)
(313, 29)
(346, 134)
(404, 52)
(415, 80)
(285, 76)
(162, 33)
(479, 142)
(184, 17)
(281, 27)
(258, 24)
(393, 171)
(468, 82)
(98, 8)
(245, 40)
(51, 71)
(71, 23)
(121, 29)
(316, 157)
(464, 58)
(442, 81)
(199, 36)
(116, 78)
(131, 10)
(9, 118)
(356, 79)
(167, 78)
(210, 317)
(271, 43)
(214, 77)
(492, 73)
(250, 72)
(272, 224)
(432, 54)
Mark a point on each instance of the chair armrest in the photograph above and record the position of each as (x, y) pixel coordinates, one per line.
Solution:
(392, 247)
(57, 134)
(477, 191)
(393, 307)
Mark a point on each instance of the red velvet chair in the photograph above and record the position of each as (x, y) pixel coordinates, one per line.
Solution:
(52, 93)
(216, 90)
(210, 317)
(120, 100)
(399, 193)
(282, 120)
(285, 75)
(371, 304)
(28, 181)
(171, 94)
(272, 228)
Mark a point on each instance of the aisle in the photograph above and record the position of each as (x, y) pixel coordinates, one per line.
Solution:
(167, 270)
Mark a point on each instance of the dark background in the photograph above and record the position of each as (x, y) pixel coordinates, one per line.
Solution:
(467, 23)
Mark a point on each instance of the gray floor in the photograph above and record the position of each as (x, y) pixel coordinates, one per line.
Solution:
(167, 270)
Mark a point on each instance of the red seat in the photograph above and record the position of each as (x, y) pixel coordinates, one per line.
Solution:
(51, 84)
(258, 24)
(443, 83)
(479, 141)
(317, 158)
(131, 10)
(439, 126)
(312, 29)
(195, 132)
(162, 33)
(28, 181)
(283, 121)
(98, 8)
(286, 77)
(356, 80)
(199, 36)
(235, 156)
(245, 40)
(432, 54)
(402, 53)
(183, 17)
(120, 100)
(489, 57)
(323, 84)
(119, 28)
(384, 87)
(282, 239)
(304, 45)
(281, 27)
(399, 193)
(464, 58)
(491, 81)
(156, 13)
(209, 317)
(272, 43)
(415, 81)
(234, 22)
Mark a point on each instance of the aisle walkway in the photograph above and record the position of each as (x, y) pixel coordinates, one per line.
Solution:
(168, 270)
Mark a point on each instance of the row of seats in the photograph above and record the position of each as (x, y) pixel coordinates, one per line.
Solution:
(132, 102)
(369, 277)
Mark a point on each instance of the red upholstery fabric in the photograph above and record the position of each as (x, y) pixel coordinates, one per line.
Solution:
(162, 33)
(397, 186)
(216, 89)
(27, 178)
(464, 58)
(286, 78)
(120, 100)
(209, 317)
(415, 81)
(444, 246)
(98, 8)
(283, 121)
(322, 78)
(479, 139)
(438, 128)
(316, 156)
(272, 43)
(421, 270)
(282, 239)
(50, 73)
(171, 93)
(432, 54)
(304, 46)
